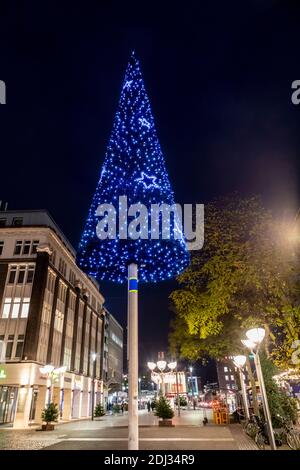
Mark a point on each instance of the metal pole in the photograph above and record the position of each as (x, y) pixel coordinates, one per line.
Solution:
(133, 427)
(93, 388)
(163, 384)
(264, 401)
(177, 390)
(244, 394)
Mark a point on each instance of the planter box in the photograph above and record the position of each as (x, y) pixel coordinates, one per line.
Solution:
(48, 427)
(165, 422)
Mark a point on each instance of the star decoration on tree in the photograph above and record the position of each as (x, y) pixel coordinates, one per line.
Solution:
(148, 181)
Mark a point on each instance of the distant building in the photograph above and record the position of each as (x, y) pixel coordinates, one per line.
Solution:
(51, 313)
(112, 356)
(226, 372)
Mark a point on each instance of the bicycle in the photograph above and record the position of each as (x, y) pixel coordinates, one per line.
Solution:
(291, 435)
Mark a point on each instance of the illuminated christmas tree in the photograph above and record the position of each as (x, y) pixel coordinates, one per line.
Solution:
(133, 167)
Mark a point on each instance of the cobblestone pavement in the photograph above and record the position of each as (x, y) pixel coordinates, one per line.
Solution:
(110, 433)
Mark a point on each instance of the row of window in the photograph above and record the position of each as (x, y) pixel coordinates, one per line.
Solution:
(227, 377)
(16, 222)
(21, 274)
(6, 350)
(22, 247)
(16, 307)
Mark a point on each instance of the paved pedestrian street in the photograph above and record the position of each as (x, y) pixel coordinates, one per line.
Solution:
(110, 433)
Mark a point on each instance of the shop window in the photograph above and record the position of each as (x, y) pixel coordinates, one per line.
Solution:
(2, 222)
(1, 247)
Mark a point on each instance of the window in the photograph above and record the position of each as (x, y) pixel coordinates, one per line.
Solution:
(6, 307)
(2, 222)
(26, 247)
(25, 307)
(232, 378)
(1, 345)
(1, 247)
(21, 275)
(72, 278)
(226, 377)
(62, 267)
(9, 346)
(12, 275)
(225, 369)
(16, 307)
(18, 247)
(19, 348)
(53, 257)
(34, 246)
(17, 221)
(30, 274)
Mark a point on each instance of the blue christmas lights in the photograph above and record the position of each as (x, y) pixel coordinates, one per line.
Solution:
(134, 167)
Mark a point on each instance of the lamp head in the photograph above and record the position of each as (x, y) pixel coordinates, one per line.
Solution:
(239, 361)
(172, 365)
(161, 365)
(248, 343)
(47, 369)
(256, 335)
(151, 365)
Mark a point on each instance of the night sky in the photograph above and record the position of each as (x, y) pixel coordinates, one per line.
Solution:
(219, 81)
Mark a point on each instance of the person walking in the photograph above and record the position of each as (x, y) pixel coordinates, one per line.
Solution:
(149, 406)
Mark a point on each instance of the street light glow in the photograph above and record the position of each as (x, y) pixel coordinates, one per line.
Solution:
(239, 361)
(256, 335)
(151, 365)
(248, 343)
(47, 369)
(161, 365)
(172, 365)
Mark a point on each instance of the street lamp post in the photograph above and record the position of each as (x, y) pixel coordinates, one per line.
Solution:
(255, 337)
(192, 385)
(161, 365)
(173, 366)
(50, 372)
(239, 362)
(94, 357)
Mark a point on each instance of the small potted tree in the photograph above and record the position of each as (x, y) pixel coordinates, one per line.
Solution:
(164, 411)
(49, 416)
(99, 411)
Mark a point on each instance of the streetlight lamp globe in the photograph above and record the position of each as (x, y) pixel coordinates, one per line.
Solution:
(248, 343)
(172, 365)
(256, 335)
(151, 365)
(47, 369)
(161, 365)
(239, 361)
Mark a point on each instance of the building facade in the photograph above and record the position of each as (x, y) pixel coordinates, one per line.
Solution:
(112, 357)
(51, 314)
